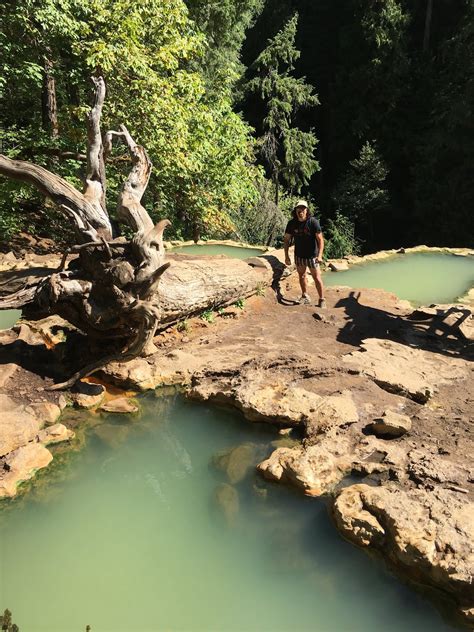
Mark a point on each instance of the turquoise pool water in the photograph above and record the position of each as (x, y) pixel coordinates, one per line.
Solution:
(422, 278)
(9, 317)
(217, 249)
(128, 535)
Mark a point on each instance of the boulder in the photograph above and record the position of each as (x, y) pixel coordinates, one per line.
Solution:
(390, 425)
(112, 434)
(427, 535)
(338, 265)
(236, 462)
(87, 395)
(45, 412)
(21, 465)
(120, 405)
(55, 434)
(227, 501)
(315, 469)
(6, 372)
(17, 426)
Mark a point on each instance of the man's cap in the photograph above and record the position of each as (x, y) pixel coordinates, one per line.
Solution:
(301, 203)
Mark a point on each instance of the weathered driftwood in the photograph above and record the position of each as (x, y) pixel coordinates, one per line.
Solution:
(110, 290)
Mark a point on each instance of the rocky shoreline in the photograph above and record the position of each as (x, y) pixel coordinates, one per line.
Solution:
(382, 394)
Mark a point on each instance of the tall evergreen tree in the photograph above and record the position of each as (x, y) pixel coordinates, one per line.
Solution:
(287, 150)
(362, 194)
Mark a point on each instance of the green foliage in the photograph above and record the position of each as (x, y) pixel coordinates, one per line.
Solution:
(6, 622)
(224, 23)
(361, 194)
(183, 325)
(340, 239)
(240, 303)
(265, 221)
(260, 290)
(208, 316)
(149, 52)
(288, 151)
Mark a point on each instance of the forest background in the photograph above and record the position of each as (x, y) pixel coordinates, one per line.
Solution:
(365, 107)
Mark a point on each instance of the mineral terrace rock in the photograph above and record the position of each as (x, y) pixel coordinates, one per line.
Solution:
(338, 265)
(21, 466)
(236, 462)
(17, 426)
(55, 434)
(263, 396)
(45, 412)
(391, 424)
(429, 535)
(398, 368)
(87, 395)
(121, 405)
(6, 372)
(316, 469)
(227, 501)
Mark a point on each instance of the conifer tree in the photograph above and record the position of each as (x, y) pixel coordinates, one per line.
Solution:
(287, 150)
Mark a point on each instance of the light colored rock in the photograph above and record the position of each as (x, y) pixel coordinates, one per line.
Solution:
(28, 334)
(17, 426)
(55, 434)
(338, 265)
(236, 462)
(112, 434)
(121, 405)
(6, 372)
(391, 424)
(136, 374)
(458, 318)
(9, 257)
(424, 466)
(429, 535)
(227, 501)
(21, 465)
(262, 396)
(87, 395)
(45, 412)
(398, 368)
(315, 470)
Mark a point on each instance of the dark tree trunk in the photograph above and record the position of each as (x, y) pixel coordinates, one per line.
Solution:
(427, 31)
(49, 109)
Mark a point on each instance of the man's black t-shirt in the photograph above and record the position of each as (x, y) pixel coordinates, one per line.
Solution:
(304, 233)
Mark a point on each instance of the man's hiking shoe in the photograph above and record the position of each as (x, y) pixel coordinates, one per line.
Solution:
(321, 303)
(304, 300)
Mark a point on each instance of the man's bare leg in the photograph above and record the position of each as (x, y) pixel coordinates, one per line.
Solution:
(318, 281)
(302, 278)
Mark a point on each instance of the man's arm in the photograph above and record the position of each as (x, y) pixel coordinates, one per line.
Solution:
(320, 240)
(286, 246)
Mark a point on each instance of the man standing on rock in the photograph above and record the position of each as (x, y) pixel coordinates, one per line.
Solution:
(309, 247)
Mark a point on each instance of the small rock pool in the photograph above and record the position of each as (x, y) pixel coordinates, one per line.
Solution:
(159, 523)
(422, 278)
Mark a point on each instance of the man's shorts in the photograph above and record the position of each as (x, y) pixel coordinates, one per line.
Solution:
(308, 263)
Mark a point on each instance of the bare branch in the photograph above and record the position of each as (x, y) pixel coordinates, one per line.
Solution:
(129, 209)
(91, 221)
(95, 152)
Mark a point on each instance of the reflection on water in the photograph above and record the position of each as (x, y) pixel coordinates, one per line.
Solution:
(164, 525)
(217, 249)
(422, 278)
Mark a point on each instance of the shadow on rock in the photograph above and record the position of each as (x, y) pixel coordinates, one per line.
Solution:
(439, 330)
